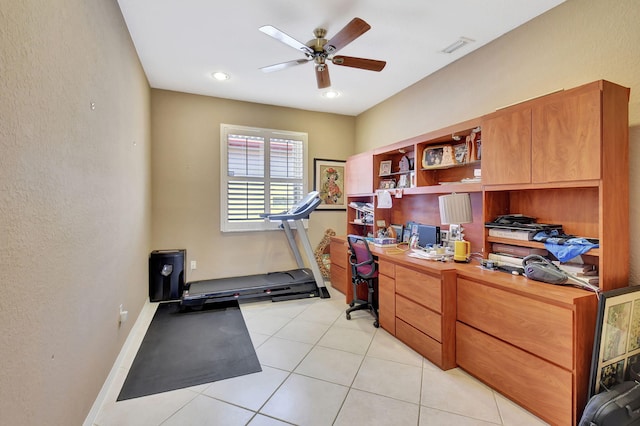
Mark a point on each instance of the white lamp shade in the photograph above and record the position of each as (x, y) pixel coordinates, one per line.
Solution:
(455, 208)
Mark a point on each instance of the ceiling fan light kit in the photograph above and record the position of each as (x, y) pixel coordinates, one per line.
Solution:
(320, 50)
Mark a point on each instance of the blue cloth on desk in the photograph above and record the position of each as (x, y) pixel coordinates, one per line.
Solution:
(564, 247)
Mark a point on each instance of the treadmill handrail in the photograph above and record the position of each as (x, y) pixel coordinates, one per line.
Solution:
(300, 211)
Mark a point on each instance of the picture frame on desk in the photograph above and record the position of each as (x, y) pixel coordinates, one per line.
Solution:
(399, 229)
(454, 232)
(328, 180)
(616, 344)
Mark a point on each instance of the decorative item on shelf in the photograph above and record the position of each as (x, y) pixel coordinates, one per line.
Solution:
(438, 156)
(474, 146)
(387, 184)
(385, 168)
(460, 152)
(405, 164)
(455, 209)
(403, 181)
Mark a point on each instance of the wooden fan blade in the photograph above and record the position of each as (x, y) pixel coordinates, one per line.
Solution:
(286, 39)
(322, 77)
(283, 65)
(350, 32)
(362, 63)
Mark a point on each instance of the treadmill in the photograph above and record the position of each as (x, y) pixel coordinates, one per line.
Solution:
(293, 284)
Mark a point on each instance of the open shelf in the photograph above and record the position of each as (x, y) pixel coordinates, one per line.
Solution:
(531, 244)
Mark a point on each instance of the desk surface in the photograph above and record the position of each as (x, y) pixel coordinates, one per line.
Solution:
(550, 293)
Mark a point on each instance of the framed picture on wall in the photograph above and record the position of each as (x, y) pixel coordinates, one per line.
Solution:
(616, 346)
(328, 180)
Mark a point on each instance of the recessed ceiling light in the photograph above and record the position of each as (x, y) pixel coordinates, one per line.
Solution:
(330, 94)
(220, 76)
(462, 41)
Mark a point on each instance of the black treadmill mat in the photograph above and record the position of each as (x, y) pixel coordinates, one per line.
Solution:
(183, 349)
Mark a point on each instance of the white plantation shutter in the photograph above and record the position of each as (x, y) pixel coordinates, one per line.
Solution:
(262, 171)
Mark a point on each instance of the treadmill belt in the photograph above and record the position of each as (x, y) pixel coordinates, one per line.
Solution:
(296, 283)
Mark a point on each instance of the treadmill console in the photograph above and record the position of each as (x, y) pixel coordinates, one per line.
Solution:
(304, 203)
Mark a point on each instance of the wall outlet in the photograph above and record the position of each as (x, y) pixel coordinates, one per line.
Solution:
(194, 265)
(123, 315)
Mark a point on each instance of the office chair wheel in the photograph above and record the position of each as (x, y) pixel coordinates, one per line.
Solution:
(351, 304)
(376, 324)
(348, 316)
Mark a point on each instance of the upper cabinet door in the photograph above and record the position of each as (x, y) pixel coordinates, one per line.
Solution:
(566, 136)
(359, 174)
(506, 147)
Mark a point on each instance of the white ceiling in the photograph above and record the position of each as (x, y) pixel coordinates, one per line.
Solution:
(181, 42)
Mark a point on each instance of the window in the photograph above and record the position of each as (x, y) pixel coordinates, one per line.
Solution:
(262, 171)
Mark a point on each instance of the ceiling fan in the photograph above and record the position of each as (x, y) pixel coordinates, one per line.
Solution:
(321, 50)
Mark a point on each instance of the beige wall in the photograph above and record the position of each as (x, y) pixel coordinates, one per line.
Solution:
(186, 180)
(74, 203)
(575, 43)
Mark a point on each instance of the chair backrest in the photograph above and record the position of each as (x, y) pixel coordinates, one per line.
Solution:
(361, 259)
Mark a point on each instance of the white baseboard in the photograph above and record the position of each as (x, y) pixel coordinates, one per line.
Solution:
(140, 322)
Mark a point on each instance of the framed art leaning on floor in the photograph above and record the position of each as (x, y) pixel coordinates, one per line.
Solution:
(616, 345)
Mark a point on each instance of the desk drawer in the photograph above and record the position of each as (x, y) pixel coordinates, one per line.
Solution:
(387, 303)
(420, 342)
(419, 317)
(421, 288)
(539, 386)
(540, 328)
(387, 268)
(339, 254)
(339, 278)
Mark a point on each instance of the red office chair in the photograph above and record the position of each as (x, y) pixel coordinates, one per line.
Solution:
(364, 270)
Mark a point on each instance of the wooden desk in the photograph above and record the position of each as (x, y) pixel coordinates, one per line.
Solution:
(530, 341)
(416, 299)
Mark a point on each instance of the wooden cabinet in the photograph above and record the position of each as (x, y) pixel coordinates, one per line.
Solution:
(562, 158)
(359, 192)
(579, 170)
(506, 151)
(530, 341)
(425, 313)
(387, 296)
(340, 269)
(359, 174)
(568, 136)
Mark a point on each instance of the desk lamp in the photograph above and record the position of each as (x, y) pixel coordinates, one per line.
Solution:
(455, 209)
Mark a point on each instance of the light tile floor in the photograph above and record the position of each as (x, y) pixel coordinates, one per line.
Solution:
(318, 369)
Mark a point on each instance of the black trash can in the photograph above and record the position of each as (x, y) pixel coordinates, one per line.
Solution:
(166, 274)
